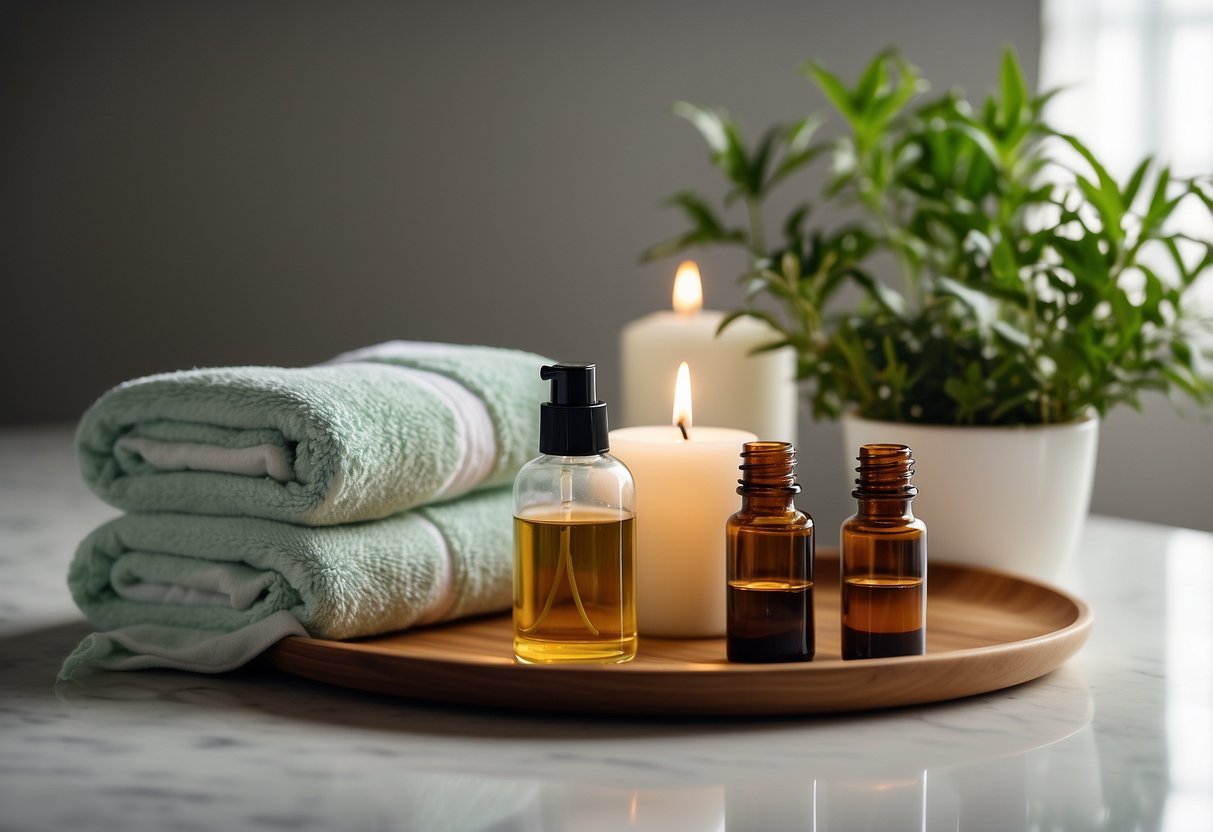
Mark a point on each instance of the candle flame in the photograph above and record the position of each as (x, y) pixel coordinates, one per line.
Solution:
(682, 400)
(688, 289)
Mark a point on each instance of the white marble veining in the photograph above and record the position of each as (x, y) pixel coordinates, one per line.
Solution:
(1119, 738)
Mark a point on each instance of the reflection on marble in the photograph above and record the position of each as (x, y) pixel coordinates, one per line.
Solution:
(1118, 738)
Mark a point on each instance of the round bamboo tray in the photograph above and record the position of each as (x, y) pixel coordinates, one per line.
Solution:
(985, 631)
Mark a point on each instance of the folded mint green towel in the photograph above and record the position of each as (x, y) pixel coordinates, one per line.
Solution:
(210, 593)
(369, 434)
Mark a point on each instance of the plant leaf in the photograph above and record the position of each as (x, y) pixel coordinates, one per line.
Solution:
(889, 299)
(799, 149)
(792, 225)
(874, 78)
(734, 162)
(1134, 183)
(979, 303)
(1012, 335)
(709, 123)
(771, 346)
(757, 168)
(833, 89)
(757, 314)
(1107, 185)
(1152, 221)
(706, 228)
(1014, 90)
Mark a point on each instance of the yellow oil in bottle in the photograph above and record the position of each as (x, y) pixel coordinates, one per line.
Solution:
(574, 586)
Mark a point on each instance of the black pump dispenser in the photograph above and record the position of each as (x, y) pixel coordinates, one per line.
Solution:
(574, 422)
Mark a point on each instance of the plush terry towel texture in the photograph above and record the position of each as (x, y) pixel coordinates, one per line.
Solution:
(210, 593)
(370, 434)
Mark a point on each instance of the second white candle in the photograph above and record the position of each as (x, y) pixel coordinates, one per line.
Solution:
(685, 491)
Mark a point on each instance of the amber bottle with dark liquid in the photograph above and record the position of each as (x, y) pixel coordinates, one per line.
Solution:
(883, 550)
(769, 545)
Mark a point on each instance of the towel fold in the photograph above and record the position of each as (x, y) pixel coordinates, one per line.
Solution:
(210, 593)
(367, 435)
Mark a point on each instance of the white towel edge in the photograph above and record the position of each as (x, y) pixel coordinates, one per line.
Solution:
(253, 461)
(444, 580)
(477, 435)
(209, 652)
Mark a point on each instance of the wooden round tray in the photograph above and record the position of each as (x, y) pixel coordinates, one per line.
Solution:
(985, 631)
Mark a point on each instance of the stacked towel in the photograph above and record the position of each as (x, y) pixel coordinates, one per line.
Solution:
(371, 433)
(279, 495)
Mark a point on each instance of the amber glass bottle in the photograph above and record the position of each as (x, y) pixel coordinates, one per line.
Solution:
(770, 561)
(884, 560)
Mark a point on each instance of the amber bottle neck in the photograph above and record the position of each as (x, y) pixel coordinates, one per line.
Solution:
(869, 507)
(753, 504)
(883, 487)
(768, 484)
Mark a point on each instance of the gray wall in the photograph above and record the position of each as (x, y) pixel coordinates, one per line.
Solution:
(222, 183)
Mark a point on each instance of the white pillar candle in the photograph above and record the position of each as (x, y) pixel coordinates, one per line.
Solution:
(685, 491)
(732, 388)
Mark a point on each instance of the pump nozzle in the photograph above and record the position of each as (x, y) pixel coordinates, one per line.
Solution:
(572, 384)
(573, 422)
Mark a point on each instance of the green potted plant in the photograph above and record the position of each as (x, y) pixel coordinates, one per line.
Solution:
(1032, 293)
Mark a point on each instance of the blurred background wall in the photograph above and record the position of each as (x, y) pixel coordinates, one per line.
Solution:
(225, 183)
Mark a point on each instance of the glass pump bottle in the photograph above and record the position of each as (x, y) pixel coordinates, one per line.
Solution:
(770, 562)
(883, 550)
(574, 534)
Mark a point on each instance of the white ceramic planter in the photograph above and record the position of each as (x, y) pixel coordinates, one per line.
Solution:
(1007, 498)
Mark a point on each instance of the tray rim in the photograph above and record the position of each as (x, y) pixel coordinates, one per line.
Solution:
(295, 655)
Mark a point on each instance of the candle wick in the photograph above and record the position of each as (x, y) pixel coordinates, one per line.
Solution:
(682, 426)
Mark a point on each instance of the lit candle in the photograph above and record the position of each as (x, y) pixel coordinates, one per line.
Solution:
(686, 488)
(751, 392)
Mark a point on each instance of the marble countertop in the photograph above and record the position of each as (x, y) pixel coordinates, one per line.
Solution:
(1121, 737)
